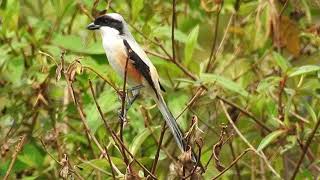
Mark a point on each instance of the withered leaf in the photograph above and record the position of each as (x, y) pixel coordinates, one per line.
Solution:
(74, 68)
(217, 149)
(285, 34)
(210, 5)
(216, 153)
(58, 72)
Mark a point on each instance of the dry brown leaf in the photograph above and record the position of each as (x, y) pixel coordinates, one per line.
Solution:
(217, 149)
(65, 170)
(216, 152)
(194, 134)
(211, 5)
(285, 34)
(314, 29)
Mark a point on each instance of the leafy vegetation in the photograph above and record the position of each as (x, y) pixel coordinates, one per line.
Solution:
(242, 76)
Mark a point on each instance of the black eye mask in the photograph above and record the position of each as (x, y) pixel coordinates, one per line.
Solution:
(110, 22)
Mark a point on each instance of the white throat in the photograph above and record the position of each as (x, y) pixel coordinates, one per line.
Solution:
(110, 37)
(108, 31)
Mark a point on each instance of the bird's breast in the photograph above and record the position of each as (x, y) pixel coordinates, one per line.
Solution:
(117, 57)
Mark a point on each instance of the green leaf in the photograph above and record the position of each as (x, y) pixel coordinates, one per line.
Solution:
(190, 45)
(311, 112)
(165, 32)
(15, 68)
(225, 82)
(281, 61)
(88, 166)
(76, 44)
(108, 102)
(176, 102)
(269, 138)
(30, 178)
(137, 6)
(31, 155)
(10, 15)
(140, 138)
(304, 70)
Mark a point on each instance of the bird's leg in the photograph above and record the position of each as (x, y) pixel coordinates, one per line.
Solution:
(134, 91)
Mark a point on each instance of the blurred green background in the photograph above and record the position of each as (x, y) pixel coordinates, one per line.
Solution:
(261, 58)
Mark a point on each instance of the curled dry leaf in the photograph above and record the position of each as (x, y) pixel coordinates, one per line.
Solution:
(217, 149)
(211, 5)
(58, 72)
(74, 68)
(130, 174)
(314, 29)
(194, 134)
(186, 158)
(184, 165)
(176, 171)
(64, 171)
(4, 149)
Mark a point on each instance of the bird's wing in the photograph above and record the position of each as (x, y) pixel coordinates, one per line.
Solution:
(142, 63)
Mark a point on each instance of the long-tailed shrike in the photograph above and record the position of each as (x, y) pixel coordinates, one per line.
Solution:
(119, 45)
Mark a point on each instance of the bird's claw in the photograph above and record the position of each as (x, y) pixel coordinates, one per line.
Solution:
(122, 115)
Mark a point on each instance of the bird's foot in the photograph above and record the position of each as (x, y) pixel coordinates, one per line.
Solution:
(122, 115)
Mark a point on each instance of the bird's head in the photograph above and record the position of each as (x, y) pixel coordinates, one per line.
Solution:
(111, 23)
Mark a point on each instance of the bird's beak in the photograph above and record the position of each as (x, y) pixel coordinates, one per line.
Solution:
(93, 26)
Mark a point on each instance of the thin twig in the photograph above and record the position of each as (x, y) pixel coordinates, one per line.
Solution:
(108, 128)
(94, 8)
(94, 166)
(85, 11)
(222, 42)
(155, 41)
(73, 17)
(45, 148)
(70, 166)
(305, 148)
(234, 158)
(259, 153)
(15, 155)
(192, 100)
(233, 163)
(79, 109)
(245, 112)
(123, 100)
(117, 139)
(214, 42)
(123, 113)
(106, 80)
(83, 119)
(283, 8)
(110, 163)
(157, 55)
(48, 55)
(148, 124)
(193, 77)
(172, 30)
(131, 155)
(282, 85)
(156, 157)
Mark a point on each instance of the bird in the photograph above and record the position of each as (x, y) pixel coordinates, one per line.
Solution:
(121, 48)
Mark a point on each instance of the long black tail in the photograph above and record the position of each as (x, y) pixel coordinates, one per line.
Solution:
(172, 124)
